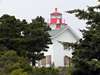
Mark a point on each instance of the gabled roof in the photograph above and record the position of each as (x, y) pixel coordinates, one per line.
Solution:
(56, 33)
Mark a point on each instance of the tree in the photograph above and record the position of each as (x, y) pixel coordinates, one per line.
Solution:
(27, 39)
(39, 39)
(12, 64)
(86, 57)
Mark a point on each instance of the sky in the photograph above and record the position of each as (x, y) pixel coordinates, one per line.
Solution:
(30, 9)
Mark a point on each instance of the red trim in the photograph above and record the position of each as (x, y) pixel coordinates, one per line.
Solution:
(58, 27)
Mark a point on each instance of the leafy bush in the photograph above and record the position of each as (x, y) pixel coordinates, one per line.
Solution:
(12, 64)
(45, 71)
(18, 72)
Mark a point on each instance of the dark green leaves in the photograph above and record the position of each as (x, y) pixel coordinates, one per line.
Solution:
(25, 38)
(86, 57)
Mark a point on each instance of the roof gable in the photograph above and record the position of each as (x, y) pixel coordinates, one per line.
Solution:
(65, 34)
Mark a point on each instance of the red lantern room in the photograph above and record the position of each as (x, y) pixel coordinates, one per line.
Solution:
(56, 20)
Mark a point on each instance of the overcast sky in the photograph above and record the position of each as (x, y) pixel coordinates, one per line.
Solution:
(29, 9)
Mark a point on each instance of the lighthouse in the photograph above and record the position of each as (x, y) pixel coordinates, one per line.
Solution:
(60, 32)
(56, 20)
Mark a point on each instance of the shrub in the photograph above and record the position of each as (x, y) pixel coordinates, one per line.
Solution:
(45, 71)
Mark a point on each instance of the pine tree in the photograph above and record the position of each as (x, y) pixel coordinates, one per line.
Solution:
(39, 39)
(86, 57)
(27, 39)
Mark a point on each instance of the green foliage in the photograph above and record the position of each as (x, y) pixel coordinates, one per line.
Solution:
(86, 57)
(69, 69)
(12, 64)
(27, 39)
(18, 72)
(45, 71)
